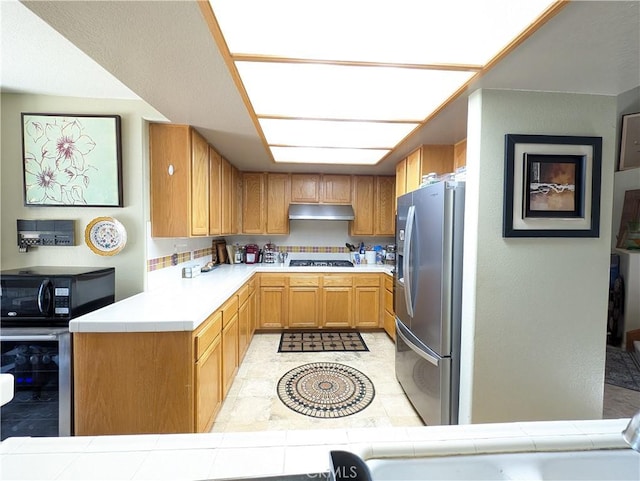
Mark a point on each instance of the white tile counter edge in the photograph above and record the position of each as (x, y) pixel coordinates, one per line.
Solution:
(186, 303)
(224, 455)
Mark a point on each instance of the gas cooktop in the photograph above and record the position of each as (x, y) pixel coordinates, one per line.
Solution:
(319, 263)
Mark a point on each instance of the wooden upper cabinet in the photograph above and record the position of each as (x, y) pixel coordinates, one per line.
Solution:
(401, 178)
(179, 170)
(305, 188)
(363, 205)
(413, 171)
(215, 192)
(336, 189)
(459, 154)
(384, 206)
(236, 201)
(253, 201)
(227, 197)
(277, 205)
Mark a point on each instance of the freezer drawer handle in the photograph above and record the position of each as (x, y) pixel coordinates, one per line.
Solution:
(29, 337)
(420, 353)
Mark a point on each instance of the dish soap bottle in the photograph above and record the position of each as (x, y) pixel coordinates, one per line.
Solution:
(361, 248)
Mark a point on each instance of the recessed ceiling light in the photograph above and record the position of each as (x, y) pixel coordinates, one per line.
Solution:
(314, 155)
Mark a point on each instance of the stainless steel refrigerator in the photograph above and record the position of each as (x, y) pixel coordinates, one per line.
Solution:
(427, 298)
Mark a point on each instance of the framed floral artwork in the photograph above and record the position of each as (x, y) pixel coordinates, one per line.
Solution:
(72, 160)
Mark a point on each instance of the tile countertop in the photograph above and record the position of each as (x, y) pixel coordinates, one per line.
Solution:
(184, 304)
(225, 455)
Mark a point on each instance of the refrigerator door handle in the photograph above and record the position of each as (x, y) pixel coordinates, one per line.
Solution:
(411, 214)
(426, 356)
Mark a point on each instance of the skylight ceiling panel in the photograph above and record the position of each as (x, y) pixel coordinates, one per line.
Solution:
(463, 32)
(319, 133)
(313, 155)
(347, 92)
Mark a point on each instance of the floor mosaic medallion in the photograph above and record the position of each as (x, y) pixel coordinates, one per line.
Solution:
(325, 390)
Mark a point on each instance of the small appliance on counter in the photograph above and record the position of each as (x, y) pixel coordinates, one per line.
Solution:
(251, 253)
(269, 254)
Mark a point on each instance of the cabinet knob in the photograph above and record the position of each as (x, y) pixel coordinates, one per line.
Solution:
(170, 169)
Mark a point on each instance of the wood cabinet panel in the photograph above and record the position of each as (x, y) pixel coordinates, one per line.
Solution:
(390, 324)
(227, 197)
(459, 154)
(337, 307)
(208, 386)
(207, 332)
(236, 200)
(437, 158)
(414, 170)
(304, 306)
(401, 178)
(230, 359)
(229, 309)
(273, 307)
(253, 201)
(384, 206)
(277, 207)
(336, 189)
(120, 394)
(244, 329)
(305, 188)
(363, 205)
(215, 192)
(199, 185)
(367, 307)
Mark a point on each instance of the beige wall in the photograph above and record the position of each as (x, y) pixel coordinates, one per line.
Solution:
(534, 309)
(130, 262)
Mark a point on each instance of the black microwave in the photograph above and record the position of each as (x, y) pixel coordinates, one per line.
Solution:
(52, 295)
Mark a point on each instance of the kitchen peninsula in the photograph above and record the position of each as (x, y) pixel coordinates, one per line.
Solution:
(162, 361)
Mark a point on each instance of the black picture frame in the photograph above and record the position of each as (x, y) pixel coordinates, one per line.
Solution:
(552, 186)
(630, 142)
(72, 160)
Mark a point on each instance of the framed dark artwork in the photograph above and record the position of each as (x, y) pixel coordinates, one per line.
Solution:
(630, 142)
(629, 232)
(72, 160)
(552, 186)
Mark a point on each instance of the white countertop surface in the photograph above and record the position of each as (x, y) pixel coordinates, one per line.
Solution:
(270, 453)
(183, 304)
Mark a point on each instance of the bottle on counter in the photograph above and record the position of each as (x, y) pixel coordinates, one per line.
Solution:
(361, 248)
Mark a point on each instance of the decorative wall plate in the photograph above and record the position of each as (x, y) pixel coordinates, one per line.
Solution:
(105, 236)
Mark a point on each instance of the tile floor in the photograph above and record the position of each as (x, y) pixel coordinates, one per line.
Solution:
(253, 404)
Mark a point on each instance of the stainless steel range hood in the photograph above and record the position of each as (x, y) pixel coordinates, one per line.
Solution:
(320, 212)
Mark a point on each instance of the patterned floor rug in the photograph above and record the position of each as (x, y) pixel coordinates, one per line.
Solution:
(325, 390)
(308, 341)
(622, 368)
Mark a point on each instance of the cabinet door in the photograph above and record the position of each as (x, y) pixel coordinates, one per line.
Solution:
(199, 185)
(304, 300)
(208, 383)
(229, 353)
(278, 193)
(337, 307)
(401, 178)
(363, 197)
(253, 199)
(414, 170)
(437, 158)
(459, 154)
(305, 188)
(226, 197)
(336, 189)
(273, 307)
(243, 329)
(215, 192)
(237, 201)
(384, 206)
(390, 324)
(253, 308)
(170, 151)
(367, 306)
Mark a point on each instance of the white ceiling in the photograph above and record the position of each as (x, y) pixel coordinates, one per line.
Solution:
(164, 53)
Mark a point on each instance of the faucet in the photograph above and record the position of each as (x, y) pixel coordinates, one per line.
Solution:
(631, 433)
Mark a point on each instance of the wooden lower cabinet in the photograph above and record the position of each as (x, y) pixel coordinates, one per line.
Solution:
(337, 301)
(304, 301)
(208, 385)
(389, 322)
(367, 301)
(229, 353)
(133, 383)
(244, 329)
(273, 301)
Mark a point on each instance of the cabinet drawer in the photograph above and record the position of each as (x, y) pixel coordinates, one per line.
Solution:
(229, 309)
(277, 280)
(388, 301)
(337, 281)
(388, 283)
(210, 330)
(364, 280)
(243, 294)
(304, 280)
